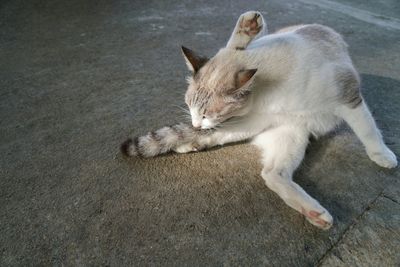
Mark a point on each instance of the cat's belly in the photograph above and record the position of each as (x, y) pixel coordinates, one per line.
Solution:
(316, 123)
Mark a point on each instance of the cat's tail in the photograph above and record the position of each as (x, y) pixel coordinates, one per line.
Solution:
(159, 142)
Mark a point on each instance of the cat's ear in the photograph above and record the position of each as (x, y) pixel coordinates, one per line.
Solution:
(193, 61)
(243, 77)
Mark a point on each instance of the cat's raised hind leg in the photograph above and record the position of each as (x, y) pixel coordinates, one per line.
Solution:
(361, 121)
(248, 26)
(283, 150)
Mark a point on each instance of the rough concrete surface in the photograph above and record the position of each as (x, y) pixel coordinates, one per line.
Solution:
(78, 77)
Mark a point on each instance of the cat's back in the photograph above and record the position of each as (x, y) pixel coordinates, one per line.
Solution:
(315, 33)
(313, 56)
(308, 40)
(322, 38)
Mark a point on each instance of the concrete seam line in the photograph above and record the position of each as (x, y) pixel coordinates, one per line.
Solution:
(354, 222)
(360, 14)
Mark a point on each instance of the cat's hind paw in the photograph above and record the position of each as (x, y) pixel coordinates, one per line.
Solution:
(250, 23)
(248, 26)
(319, 218)
(386, 158)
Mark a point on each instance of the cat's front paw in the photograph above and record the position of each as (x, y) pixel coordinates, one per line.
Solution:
(251, 23)
(319, 217)
(385, 158)
(186, 148)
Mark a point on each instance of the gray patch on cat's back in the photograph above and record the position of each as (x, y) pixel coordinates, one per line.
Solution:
(318, 32)
(326, 38)
(349, 84)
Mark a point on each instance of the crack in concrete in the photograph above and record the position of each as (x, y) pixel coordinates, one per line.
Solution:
(348, 228)
(360, 14)
(390, 198)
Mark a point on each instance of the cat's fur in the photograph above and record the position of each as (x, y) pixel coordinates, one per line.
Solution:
(278, 89)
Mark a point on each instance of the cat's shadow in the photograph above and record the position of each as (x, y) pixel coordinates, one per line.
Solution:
(372, 88)
(385, 112)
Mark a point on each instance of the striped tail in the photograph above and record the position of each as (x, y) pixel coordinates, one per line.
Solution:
(160, 141)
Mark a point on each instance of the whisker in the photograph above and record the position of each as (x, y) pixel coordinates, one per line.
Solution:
(185, 110)
(186, 117)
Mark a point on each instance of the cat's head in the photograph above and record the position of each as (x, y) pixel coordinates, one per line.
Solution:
(219, 88)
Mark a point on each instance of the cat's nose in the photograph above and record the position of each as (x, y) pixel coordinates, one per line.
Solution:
(196, 125)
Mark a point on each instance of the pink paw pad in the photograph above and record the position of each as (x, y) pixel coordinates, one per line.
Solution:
(314, 214)
(251, 26)
(322, 220)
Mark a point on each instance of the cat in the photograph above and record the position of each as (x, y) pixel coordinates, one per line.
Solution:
(276, 89)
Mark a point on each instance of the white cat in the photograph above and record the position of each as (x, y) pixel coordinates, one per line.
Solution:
(277, 89)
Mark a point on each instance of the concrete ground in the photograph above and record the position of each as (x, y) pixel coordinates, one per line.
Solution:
(78, 77)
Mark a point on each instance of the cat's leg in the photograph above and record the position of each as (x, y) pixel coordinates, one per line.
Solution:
(283, 150)
(363, 125)
(219, 137)
(248, 26)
